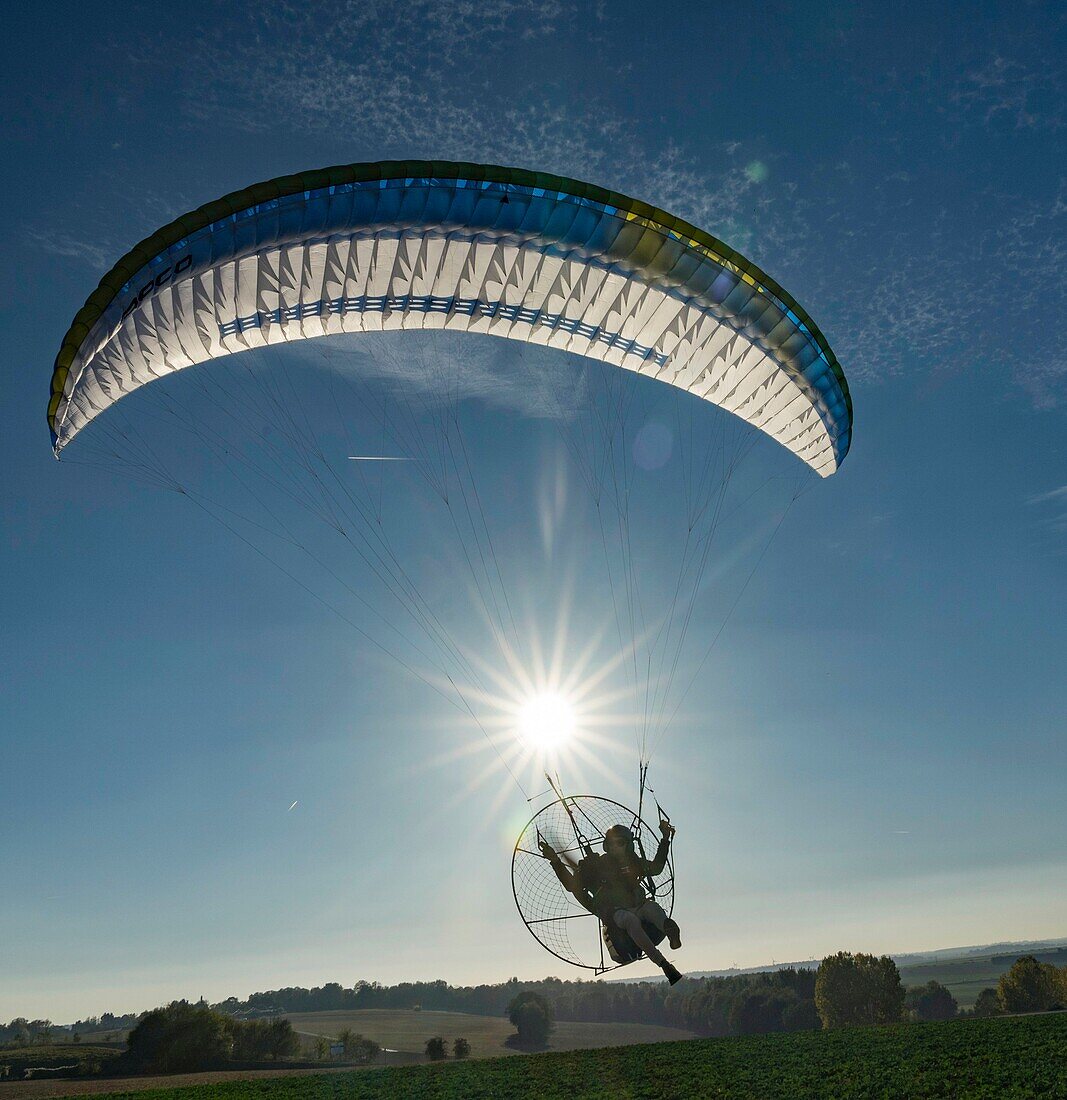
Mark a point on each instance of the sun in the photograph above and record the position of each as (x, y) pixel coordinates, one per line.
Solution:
(546, 721)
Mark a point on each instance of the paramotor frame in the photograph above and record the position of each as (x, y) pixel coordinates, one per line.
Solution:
(574, 825)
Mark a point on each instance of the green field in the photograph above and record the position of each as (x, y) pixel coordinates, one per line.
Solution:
(1012, 1057)
(408, 1030)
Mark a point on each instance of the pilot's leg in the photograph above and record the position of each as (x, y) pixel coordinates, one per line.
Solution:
(653, 913)
(630, 923)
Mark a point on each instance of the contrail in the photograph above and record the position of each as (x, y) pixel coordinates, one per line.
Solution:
(378, 458)
(294, 804)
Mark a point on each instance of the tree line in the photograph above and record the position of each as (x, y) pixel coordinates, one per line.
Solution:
(23, 1032)
(107, 1022)
(184, 1038)
(847, 989)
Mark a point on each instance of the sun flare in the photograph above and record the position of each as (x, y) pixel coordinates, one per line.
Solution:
(546, 721)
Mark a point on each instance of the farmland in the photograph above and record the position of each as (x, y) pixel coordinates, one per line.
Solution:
(408, 1030)
(1020, 1056)
(965, 978)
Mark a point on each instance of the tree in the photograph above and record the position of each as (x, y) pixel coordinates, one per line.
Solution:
(40, 1031)
(322, 1048)
(19, 1030)
(858, 989)
(1029, 986)
(987, 1003)
(461, 1049)
(800, 1016)
(180, 1038)
(1061, 988)
(931, 1002)
(258, 1040)
(435, 1049)
(250, 1040)
(531, 1014)
(282, 1040)
(760, 1011)
(357, 1049)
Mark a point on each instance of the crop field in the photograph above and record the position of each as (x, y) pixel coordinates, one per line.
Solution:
(1013, 1057)
(408, 1030)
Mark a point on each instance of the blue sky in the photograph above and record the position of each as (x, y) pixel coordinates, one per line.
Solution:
(873, 757)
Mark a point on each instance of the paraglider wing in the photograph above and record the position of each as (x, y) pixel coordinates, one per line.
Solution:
(474, 248)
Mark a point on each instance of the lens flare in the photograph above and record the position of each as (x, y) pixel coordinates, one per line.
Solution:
(546, 721)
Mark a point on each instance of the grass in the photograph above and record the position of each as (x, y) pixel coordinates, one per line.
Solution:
(408, 1030)
(1013, 1057)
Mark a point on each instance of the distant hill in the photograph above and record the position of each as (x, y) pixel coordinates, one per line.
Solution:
(965, 971)
(1008, 950)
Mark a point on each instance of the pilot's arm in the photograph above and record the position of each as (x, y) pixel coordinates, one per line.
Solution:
(659, 860)
(568, 878)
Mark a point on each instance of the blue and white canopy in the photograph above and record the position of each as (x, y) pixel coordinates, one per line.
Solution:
(475, 248)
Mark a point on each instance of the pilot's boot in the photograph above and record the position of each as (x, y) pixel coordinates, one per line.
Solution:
(671, 972)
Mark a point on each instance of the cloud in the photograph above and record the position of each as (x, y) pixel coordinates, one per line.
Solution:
(721, 204)
(1056, 495)
(1053, 507)
(400, 77)
(121, 214)
(976, 290)
(98, 253)
(1029, 251)
(386, 70)
(901, 308)
(898, 285)
(432, 371)
(1002, 89)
